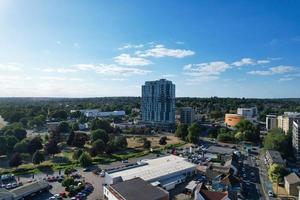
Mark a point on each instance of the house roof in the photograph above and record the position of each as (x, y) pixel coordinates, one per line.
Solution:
(29, 188)
(5, 194)
(137, 189)
(275, 156)
(212, 195)
(155, 168)
(292, 178)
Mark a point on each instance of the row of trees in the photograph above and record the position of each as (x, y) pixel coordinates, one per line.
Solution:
(189, 133)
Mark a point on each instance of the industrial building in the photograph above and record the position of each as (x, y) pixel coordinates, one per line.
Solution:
(167, 172)
(97, 113)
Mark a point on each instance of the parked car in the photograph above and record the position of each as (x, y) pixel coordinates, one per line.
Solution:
(270, 193)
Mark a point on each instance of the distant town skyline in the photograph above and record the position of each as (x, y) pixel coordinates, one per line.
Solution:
(110, 48)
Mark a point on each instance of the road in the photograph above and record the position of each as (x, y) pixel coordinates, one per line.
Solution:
(267, 185)
(250, 179)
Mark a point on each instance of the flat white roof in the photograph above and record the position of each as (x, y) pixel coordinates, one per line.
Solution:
(157, 167)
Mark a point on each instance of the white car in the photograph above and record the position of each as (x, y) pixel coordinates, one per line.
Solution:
(8, 186)
(270, 193)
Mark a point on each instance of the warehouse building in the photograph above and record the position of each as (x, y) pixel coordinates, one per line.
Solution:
(166, 172)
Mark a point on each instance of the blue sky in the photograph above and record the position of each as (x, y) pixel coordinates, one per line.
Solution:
(109, 48)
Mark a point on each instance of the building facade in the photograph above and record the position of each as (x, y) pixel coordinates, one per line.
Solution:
(158, 103)
(271, 122)
(187, 115)
(296, 139)
(285, 121)
(248, 113)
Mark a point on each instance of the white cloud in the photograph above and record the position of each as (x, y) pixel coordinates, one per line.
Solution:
(263, 61)
(11, 67)
(56, 78)
(286, 79)
(58, 42)
(205, 69)
(160, 51)
(109, 69)
(281, 69)
(59, 70)
(131, 46)
(179, 42)
(249, 61)
(243, 61)
(201, 79)
(260, 73)
(126, 59)
(169, 75)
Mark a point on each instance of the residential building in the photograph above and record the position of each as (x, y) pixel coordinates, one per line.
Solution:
(158, 103)
(134, 189)
(271, 122)
(187, 115)
(296, 139)
(274, 157)
(167, 172)
(232, 120)
(291, 182)
(285, 121)
(202, 193)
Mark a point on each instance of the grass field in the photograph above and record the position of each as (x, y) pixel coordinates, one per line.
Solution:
(136, 142)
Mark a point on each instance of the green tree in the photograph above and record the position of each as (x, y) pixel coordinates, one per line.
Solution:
(19, 133)
(98, 146)
(275, 173)
(21, 147)
(68, 181)
(194, 132)
(75, 126)
(77, 153)
(182, 131)
(99, 134)
(35, 144)
(64, 127)
(101, 124)
(79, 139)
(3, 145)
(70, 138)
(60, 114)
(120, 142)
(38, 157)
(85, 160)
(277, 140)
(163, 140)
(15, 160)
(51, 147)
(11, 141)
(147, 144)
